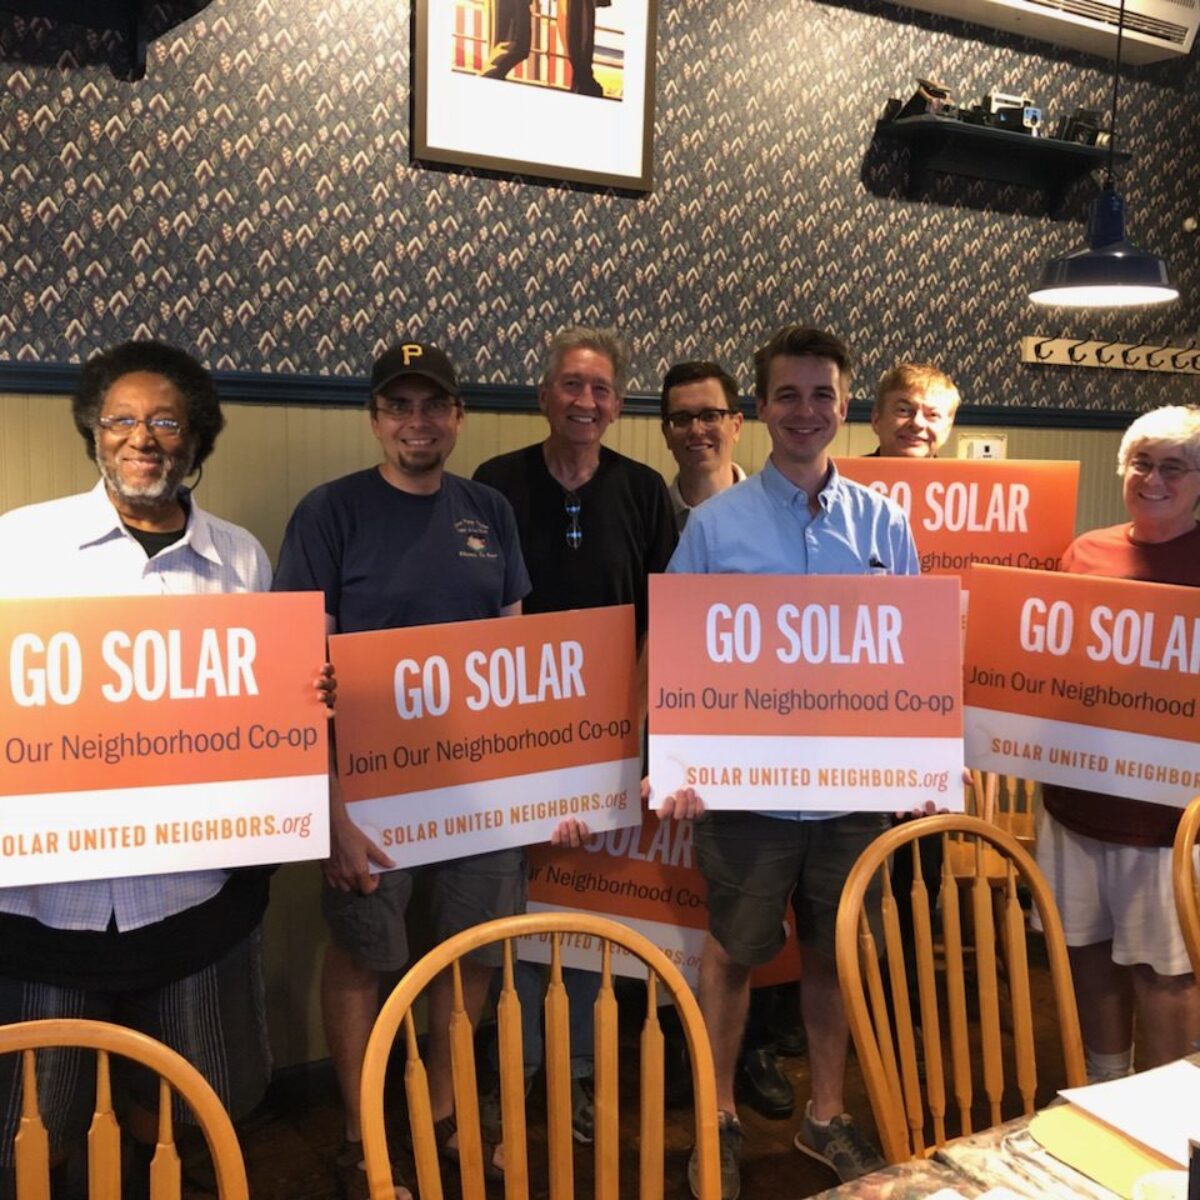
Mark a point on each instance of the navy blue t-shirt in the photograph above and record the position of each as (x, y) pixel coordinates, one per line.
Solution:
(387, 559)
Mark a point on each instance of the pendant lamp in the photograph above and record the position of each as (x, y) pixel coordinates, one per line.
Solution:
(1109, 273)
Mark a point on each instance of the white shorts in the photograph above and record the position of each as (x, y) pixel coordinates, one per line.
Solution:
(1106, 892)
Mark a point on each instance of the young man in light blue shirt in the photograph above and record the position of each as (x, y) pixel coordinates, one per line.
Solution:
(797, 516)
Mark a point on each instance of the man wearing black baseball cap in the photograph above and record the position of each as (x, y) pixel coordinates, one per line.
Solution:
(408, 359)
(404, 543)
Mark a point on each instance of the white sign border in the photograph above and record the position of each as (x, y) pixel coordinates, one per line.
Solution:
(982, 725)
(671, 754)
(466, 800)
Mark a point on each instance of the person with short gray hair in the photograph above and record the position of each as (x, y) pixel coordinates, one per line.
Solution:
(1108, 858)
(1174, 426)
(594, 525)
(603, 341)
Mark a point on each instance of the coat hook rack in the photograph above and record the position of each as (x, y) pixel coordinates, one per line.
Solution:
(1121, 356)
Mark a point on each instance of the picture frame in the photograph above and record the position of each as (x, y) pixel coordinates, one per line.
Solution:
(500, 85)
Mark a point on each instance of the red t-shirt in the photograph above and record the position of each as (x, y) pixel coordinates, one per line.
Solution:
(1114, 553)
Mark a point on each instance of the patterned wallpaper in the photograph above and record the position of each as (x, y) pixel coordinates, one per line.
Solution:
(253, 199)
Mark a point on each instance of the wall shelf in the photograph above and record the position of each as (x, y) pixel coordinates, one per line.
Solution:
(949, 146)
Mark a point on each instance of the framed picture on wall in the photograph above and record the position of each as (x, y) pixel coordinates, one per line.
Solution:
(558, 88)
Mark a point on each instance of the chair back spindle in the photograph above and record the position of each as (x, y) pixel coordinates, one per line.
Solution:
(1186, 881)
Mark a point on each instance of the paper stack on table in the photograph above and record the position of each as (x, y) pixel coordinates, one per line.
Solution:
(1117, 1132)
(1159, 1108)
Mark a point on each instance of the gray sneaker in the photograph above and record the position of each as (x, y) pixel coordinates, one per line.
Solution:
(840, 1145)
(729, 1129)
(583, 1112)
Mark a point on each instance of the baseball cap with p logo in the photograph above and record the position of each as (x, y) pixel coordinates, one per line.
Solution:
(413, 358)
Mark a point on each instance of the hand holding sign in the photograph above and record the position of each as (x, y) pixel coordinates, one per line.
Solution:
(571, 832)
(351, 852)
(682, 805)
(326, 685)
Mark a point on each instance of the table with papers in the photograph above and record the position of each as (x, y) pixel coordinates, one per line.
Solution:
(1118, 1131)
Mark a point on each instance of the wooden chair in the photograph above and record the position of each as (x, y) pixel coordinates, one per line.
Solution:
(31, 1149)
(1187, 883)
(1001, 800)
(882, 1023)
(1014, 810)
(397, 1011)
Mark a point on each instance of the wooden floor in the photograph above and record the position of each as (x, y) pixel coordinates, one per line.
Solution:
(291, 1142)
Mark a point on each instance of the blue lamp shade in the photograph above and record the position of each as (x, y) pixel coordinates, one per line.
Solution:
(1110, 273)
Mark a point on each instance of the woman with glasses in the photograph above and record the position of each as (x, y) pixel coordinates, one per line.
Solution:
(1108, 858)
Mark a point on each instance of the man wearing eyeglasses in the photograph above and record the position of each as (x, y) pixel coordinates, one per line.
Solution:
(401, 544)
(178, 955)
(701, 423)
(594, 526)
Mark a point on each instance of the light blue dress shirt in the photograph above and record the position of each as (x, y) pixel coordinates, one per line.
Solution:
(763, 527)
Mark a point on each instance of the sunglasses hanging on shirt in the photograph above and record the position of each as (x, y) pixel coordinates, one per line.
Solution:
(572, 507)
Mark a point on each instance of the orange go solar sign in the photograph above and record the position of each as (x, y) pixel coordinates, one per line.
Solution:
(161, 733)
(1084, 681)
(1006, 512)
(820, 692)
(459, 738)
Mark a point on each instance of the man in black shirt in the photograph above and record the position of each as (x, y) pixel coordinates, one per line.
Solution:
(593, 526)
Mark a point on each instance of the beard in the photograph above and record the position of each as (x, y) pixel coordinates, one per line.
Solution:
(156, 493)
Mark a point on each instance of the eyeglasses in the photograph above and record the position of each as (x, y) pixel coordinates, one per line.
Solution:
(1170, 471)
(572, 506)
(162, 427)
(437, 407)
(709, 418)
